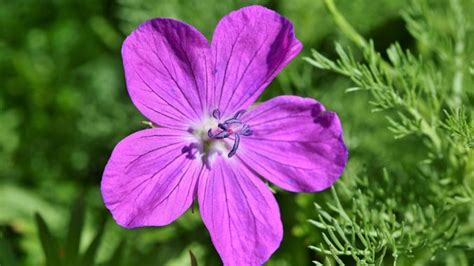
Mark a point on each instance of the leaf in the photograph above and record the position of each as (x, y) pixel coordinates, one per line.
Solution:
(117, 258)
(73, 238)
(89, 256)
(193, 259)
(7, 257)
(48, 242)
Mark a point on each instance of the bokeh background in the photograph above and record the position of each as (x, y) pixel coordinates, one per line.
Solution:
(64, 105)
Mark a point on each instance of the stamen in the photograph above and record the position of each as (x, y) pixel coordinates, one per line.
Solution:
(239, 114)
(232, 121)
(235, 147)
(222, 126)
(246, 131)
(216, 114)
(230, 127)
(220, 135)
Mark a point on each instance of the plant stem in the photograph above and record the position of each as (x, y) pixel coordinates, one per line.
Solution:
(345, 26)
(352, 33)
(458, 53)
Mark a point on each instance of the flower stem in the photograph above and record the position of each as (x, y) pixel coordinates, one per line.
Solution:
(352, 33)
(345, 26)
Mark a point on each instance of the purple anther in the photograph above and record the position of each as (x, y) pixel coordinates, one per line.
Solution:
(230, 127)
(222, 126)
(220, 135)
(235, 146)
(216, 114)
(232, 121)
(239, 114)
(246, 131)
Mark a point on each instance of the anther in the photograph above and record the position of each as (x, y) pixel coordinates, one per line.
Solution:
(230, 127)
(220, 135)
(232, 121)
(222, 126)
(246, 131)
(239, 114)
(235, 146)
(216, 114)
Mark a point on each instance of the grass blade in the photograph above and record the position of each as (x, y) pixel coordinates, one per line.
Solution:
(117, 258)
(89, 256)
(7, 257)
(48, 242)
(193, 259)
(73, 238)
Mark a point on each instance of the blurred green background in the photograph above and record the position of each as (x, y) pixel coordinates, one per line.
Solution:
(64, 105)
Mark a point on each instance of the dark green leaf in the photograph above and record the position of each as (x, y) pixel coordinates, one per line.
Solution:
(193, 259)
(48, 242)
(89, 256)
(117, 258)
(7, 257)
(73, 238)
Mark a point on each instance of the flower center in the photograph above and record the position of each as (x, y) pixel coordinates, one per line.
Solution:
(211, 136)
(230, 128)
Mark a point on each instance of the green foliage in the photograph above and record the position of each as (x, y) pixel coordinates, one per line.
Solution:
(48, 242)
(460, 126)
(406, 195)
(67, 253)
(423, 212)
(7, 255)
(193, 259)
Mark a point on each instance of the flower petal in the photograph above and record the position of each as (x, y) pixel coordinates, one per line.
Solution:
(295, 144)
(240, 213)
(166, 63)
(150, 178)
(250, 46)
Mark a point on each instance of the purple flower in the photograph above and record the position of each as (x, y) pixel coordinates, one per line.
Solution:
(210, 143)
